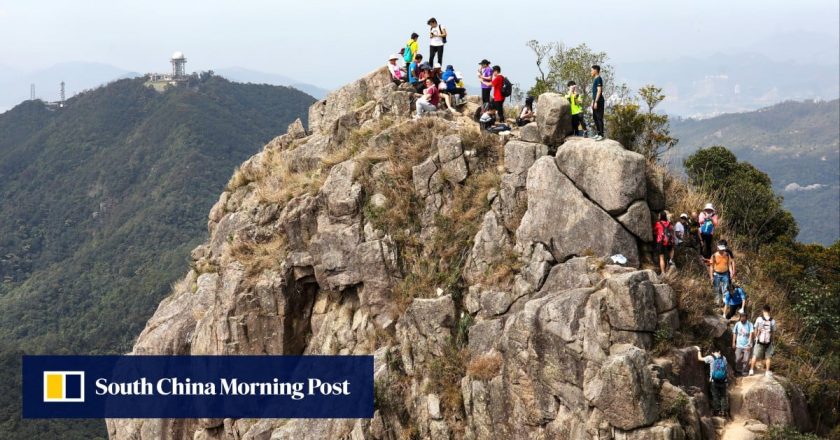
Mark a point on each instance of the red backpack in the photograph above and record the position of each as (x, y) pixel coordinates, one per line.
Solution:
(666, 233)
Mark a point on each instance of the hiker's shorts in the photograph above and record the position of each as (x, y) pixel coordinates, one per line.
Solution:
(761, 351)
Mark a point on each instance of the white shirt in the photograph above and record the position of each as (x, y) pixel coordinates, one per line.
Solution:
(437, 39)
(395, 71)
(679, 232)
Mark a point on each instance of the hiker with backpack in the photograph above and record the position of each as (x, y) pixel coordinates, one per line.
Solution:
(410, 50)
(502, 88)
(452, 94)
(707, 222)
(485, 76)
(437, 38)
(414, 72)
(680, 236)
(734, 301)
(526, 115)
(718, 378)
(742, 340)
(578, 124)
(765, 332)
(430, 99)
(598, 102)
(398, 75)
(663, 231)
(722, 264)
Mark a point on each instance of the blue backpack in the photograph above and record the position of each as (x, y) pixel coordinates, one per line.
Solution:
(708, 227)
(719, 369)
(407, 55)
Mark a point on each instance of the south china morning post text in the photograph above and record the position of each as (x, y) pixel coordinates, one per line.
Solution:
(173, 386)
(197, 386)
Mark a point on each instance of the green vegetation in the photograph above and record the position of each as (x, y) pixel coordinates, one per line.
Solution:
(796, 143)
(102, 202)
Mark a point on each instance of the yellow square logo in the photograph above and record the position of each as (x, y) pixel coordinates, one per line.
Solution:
(64, 386)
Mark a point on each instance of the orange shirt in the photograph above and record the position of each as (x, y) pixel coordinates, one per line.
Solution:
(720, 262)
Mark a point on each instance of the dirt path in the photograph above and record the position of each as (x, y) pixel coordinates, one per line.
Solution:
(736, 429)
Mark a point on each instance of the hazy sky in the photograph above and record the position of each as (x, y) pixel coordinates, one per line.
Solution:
(328, 43)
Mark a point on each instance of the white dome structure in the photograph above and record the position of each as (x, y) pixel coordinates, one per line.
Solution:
(178, 56)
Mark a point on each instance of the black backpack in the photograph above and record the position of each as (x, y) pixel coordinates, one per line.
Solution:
(507, 88)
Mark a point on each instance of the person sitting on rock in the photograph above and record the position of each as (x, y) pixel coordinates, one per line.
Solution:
(526, 115)
(663, 232)
(398, 75)
(734, 301)
(765, 332)
(488, 122)
(430, 99)
(742, 340)
(722, 263)
(718, 377)
(578, 122)
(449, 88)
(414, 70)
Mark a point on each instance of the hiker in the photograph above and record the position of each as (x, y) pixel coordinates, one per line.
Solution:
(414, 70)
(717, 380)
(734, 301)
(430, 99)
(450, 88)
(526, 115)
(577, 110)
(410, 50)
(598, 102)
(498, 83)
(765, 331)
(425, 72)
(680, 230)
(742, 339)
(437, 38)
(663, 231)
(707, 221)
(485, 75)
(693, 229)
(398, 75)
(488, 121)
(722, 263)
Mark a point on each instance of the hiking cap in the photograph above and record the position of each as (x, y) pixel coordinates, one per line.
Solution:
(449, 67)
(683, 215)
(484, 62)
(721, 247)
(394, 57)
(437, 65)
(709, 207)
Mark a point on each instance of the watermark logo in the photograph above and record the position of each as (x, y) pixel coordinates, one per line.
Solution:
(64, 386)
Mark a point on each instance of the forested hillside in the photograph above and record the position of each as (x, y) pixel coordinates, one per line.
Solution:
(796, 143)
(102, 202)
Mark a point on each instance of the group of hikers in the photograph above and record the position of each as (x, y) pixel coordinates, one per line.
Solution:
(433, 83)
(751, 342)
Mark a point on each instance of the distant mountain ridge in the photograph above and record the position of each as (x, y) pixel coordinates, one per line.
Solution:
(796, 143)
(102, 202)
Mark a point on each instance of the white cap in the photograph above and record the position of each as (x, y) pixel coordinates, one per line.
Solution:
(394, 57)
(683, 215)
(721, 247)
(709, 207)
(437, 65)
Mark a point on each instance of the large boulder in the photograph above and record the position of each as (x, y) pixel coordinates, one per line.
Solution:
(623, 388)
(424, 331)
(608, 174)
(773, 400)
(560, 215)
(324, 113)
(554, 118)
(632, 304)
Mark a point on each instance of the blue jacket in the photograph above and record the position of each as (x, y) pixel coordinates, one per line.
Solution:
(448, 77)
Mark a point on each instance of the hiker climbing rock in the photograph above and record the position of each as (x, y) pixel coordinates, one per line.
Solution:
(663, 231)
(722, 264)
(734, 301)
(717, 380)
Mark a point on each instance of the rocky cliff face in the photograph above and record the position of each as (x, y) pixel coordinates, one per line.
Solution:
(475, 270)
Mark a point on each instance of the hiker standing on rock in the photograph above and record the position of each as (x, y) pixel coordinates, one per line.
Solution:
(437, 38)
(498, 83)
(598, 102)
(577, 110)
(765, 332)
(485, 75)
(742, 338)
(717, 380)
(410, 50)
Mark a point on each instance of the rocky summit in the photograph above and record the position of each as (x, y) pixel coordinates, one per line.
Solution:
(476, 269)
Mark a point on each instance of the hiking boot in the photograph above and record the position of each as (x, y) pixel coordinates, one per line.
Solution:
(751, 372)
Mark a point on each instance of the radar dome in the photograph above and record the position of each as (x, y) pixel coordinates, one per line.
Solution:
(178, 56)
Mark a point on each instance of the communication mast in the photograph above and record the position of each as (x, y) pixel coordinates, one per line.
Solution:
(179, 62)
(61, 103)
(32, 92)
